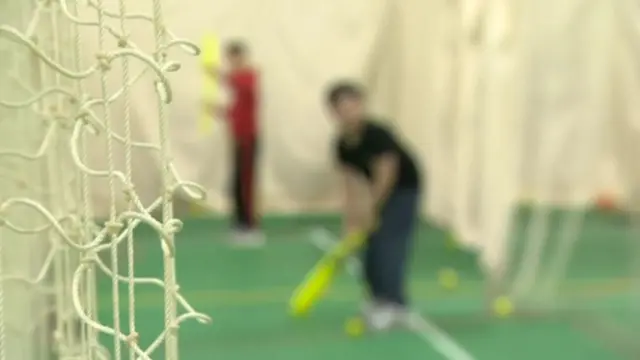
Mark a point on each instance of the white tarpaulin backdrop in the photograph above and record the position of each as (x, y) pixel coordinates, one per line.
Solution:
(498, 98)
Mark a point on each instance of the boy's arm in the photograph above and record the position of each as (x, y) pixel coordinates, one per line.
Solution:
(217, 111)
(216, 74)
(385, 173)
(357, 209)
(384, 166)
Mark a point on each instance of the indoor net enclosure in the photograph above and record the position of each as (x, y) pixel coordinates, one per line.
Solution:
(113, 177)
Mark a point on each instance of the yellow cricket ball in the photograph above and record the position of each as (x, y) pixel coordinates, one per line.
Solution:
(355, 327)
(503, 306)
(448, 278)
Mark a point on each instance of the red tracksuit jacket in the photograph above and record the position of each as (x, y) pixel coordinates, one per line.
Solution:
(243, 112)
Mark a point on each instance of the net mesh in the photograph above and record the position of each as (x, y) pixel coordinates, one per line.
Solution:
(579, 264)
(51, 248)
(558, 259)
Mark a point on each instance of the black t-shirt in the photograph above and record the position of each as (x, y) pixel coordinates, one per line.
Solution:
(375, 141)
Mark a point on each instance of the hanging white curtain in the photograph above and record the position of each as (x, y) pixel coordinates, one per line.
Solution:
(498, 99)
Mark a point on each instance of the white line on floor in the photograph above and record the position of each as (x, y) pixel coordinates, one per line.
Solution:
(324, 240)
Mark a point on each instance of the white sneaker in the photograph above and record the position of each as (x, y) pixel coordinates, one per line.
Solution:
(257, 237)
(381, 319)
(387, 316)
(401, 316)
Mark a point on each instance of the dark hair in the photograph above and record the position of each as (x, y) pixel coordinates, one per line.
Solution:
(342, 89)
(236, 48)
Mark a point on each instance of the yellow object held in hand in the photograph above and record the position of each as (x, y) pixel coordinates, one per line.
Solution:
(211, 60)
(321, 275)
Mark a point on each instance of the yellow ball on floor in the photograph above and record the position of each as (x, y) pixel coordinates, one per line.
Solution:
(503, 306)
(355, 326)
(448, 278)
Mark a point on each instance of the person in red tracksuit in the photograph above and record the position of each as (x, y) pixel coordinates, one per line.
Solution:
(242, 115)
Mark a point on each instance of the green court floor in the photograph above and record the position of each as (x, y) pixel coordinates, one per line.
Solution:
(246, 293)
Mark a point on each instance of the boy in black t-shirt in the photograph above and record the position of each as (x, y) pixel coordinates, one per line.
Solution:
(382, 192)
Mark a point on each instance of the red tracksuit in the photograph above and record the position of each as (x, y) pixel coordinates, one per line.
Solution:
(243, 117)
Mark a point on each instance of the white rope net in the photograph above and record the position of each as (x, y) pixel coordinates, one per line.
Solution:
(50, 245)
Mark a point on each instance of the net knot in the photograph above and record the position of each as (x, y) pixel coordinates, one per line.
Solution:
(129, 194)
(84, 116)
(172, 226)
(173, 329)
(132, 339)
(113, 227)
(123, 41)
(104, 64)
(161, 29)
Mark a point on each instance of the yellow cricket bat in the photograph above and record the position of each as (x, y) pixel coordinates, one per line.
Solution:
(318, 280)
(211, 59)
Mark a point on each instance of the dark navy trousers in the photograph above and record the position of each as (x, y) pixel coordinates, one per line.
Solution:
(386, 255)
